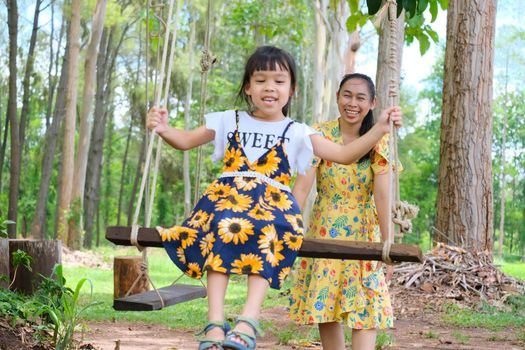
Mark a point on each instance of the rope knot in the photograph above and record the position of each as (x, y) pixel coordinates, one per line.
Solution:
(207, 60)
(403, 213)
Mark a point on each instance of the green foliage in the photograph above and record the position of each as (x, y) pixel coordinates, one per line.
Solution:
(487, 316)
(53, 307)
(415, 27)
(384, 339)
(3, 227)
(64, 309)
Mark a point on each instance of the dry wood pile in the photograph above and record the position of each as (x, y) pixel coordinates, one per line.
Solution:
(453, 272)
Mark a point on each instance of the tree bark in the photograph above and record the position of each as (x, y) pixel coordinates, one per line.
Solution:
(502, 167)
(68, 152)
(464, 199)
(75, 227)
(126, 269)
(26, 83)
(319, 59)
(12, 21)
(51, 138)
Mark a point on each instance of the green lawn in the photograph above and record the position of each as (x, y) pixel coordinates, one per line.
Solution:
(513, 269)
(163, 273)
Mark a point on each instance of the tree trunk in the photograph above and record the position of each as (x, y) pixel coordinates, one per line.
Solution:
(187, 119)
(45, 254)
(97, 140)
(320, 58)
(68, 153)
(464, 199)
(2, 148)
(38, 225)
(26, 84)
(383, 73)
(123, 171)
(75, 227)
(502, 167)
(351, 52)
(12, 20)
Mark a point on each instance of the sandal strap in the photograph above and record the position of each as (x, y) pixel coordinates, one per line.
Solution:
(253, 323)
(208, 343)
(225, 326)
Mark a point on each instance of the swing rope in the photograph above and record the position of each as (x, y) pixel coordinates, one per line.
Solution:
(158, 91)
(399, 212)
(207, 61)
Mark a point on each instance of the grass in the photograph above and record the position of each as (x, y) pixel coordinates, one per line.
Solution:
(487, 316)
(163, 273)
(514, 269)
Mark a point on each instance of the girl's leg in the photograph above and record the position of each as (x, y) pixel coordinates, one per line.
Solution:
(217, 284)
(332, 336)
(364, 339)
(257, 288)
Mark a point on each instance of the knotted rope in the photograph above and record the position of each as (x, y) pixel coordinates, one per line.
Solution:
(399, 212)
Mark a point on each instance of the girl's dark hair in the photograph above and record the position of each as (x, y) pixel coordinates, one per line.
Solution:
(268, 58)
(368, 121)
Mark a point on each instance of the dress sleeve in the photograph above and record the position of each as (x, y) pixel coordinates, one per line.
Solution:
(316, 160)
(305, 150)
(217, 122)
(381, 156)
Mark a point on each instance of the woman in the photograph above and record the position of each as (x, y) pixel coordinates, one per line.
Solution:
(352, 204)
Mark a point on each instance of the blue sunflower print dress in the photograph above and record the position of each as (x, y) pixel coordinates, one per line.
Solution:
(246, 222)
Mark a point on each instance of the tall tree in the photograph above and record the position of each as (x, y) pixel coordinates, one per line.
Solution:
(68, 148)
(26, 83)
(12, 22)
(464, 202)
(97, 25)
(50, 144)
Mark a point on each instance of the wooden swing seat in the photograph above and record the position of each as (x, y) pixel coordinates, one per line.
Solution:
(149, 301)
(312, 248)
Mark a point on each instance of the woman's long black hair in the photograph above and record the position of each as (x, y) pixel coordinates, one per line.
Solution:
(268, 58)
(368, 121)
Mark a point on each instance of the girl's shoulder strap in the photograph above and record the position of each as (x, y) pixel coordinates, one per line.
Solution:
(286, 129)
(237, 119)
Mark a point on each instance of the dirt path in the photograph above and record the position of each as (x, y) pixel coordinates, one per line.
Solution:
(416, 333)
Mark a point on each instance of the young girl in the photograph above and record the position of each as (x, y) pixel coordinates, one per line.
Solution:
(329, 292)
(247, 221)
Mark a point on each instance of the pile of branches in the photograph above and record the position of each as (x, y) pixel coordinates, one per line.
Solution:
(455, 273)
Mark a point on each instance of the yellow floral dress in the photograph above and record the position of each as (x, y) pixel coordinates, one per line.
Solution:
(348, 291)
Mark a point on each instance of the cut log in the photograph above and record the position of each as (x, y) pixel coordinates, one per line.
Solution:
(45, 254)
(314, 248)
(126, 269)
(4, 262)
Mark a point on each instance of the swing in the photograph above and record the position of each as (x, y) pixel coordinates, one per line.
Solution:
(388, 251)
(175, 293)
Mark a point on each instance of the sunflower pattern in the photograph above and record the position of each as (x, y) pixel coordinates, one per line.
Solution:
(241, 224)
(348, 291)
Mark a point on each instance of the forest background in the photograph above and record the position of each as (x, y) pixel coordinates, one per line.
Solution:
(109, 131)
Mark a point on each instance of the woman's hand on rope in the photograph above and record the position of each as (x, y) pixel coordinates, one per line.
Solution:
(394, 114)
(157, 120)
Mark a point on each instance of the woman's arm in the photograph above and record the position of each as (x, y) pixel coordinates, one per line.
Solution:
(180, 139)
(352, 152)
(302, 186)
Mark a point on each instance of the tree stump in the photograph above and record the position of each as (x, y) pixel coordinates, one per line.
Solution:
(4, 261)
(126, 269)
(45, 254)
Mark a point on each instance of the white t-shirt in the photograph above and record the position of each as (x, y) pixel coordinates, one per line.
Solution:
(258, 136)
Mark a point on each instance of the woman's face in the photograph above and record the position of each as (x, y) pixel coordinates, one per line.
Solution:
(354, 101)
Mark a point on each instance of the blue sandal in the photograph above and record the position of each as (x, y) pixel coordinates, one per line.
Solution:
(230, 343)
(205, 343)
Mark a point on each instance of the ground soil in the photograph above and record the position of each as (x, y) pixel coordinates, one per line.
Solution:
(417, 332)
(418, 325)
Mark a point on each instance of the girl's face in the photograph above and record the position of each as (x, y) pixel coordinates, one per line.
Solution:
(354, 101)
(269, 91)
